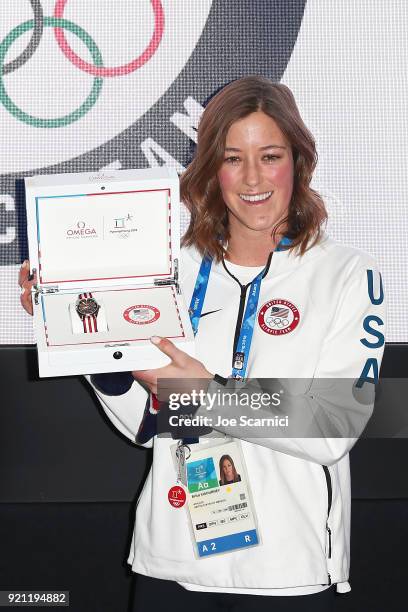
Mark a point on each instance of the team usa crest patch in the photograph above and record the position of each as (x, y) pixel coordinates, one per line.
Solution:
(278, 317)
(141, 314)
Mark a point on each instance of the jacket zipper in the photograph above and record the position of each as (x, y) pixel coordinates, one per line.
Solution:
(329, 504)
(240, 316)
(242, 299)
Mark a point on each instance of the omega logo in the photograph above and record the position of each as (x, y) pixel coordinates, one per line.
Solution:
(81, 231)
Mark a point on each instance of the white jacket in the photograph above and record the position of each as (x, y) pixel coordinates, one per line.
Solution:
(340, 334)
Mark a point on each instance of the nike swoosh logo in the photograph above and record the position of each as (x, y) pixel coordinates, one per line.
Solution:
(209, 312)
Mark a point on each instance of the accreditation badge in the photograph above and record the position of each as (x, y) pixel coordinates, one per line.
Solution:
(218, 495)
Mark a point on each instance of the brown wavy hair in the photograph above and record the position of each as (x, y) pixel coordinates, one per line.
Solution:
(208, 230)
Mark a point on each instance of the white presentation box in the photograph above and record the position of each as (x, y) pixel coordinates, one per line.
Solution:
(113, 236)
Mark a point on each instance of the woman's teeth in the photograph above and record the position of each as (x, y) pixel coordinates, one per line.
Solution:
(255, 198)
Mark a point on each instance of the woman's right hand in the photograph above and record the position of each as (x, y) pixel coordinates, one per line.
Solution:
(26, 285)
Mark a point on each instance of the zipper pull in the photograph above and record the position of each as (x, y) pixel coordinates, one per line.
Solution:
(330, 546)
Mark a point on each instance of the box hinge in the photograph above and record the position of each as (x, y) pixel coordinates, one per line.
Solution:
(49, 289)
(44, 290)
(170, 280)
(37, 289)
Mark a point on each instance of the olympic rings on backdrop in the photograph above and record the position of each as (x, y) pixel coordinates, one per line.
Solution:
(96, 88)
(96, 69)
(117, 70)
(34, 41)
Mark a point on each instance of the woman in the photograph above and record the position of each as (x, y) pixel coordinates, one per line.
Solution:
(228, 473)
(316, 311)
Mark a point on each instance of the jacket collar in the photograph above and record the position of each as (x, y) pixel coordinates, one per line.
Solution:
(284, 260)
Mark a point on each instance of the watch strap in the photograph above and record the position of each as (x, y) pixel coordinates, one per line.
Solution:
(89, 322)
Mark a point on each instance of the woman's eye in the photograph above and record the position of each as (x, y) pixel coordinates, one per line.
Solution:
(233, 159)
(271, 157)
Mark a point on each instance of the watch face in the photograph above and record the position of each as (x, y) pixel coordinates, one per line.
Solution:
(87, 306)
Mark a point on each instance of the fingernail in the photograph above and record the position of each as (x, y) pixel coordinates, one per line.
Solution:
(155, 339)
(25, 263)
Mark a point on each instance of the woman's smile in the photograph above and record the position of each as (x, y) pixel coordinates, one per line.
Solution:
(256, 199)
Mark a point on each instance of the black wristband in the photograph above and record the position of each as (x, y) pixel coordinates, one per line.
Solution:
(220, 380)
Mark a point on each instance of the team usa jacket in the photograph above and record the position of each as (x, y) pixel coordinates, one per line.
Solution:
(331, 326)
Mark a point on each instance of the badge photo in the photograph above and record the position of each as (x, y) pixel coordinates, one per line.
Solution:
(218, 498)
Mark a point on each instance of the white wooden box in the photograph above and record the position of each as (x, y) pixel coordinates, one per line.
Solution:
(115, 235)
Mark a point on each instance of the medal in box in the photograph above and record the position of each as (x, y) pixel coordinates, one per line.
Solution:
(106, 250)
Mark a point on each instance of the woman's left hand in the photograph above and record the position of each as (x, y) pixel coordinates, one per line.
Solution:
(182, 366)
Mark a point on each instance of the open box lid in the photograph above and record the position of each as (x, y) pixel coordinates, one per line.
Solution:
(103, 228)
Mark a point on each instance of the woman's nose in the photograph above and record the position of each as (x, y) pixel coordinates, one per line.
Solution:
(251, 174)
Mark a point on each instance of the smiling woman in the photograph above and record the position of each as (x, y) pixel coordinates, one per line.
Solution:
(256, 182)
(251, 173)
(287, 302)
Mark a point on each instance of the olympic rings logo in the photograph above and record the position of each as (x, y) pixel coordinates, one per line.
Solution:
(97, 69)
(277, 322)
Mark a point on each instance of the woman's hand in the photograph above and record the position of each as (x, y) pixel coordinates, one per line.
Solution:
(182, 366)
(26, 284)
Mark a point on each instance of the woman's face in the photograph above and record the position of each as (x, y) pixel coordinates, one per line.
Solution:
(256, 177)
(228, 469)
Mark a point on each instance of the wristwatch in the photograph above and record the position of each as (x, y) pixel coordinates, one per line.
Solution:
(87, 308)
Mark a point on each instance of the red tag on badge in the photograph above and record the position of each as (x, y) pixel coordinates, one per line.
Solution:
(177, 496)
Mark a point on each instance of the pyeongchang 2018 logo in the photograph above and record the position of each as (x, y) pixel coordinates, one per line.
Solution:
(81, 230)
(123, 226)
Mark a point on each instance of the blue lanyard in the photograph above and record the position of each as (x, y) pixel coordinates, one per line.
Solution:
(200, 289)
(247, 327)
